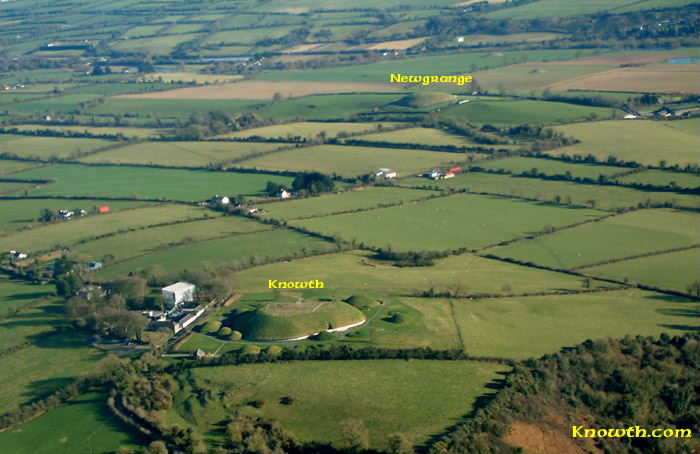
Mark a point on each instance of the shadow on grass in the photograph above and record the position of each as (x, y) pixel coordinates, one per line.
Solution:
(681, 327)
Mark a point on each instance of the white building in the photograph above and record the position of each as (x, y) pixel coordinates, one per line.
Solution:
(178, 293)
(385, 173)
(284, 194)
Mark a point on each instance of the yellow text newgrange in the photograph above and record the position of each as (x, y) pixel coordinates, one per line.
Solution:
(427, 80)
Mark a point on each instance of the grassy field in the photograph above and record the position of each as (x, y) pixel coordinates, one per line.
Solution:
(673, 271)
(179, 154)
(14, 188)
(353, 161)
(15, 294)
(171, 107)
(189, 77)
(510, 112)
(22, 213)
(447, 64)
(663, 78)
(423, 136)
(236, 251)
(549, 167)
(68, 232)
(139, 133)
(326, 107)
(530, 327)
(604, 197)
(555, 8)
(8, 167)
(39, 369)
(531, 76)
(95, 181)
(309, 130)
(82, 425)
(47, 147)
(645, 142)
(131, 244)
(35, 316)
(634, 233)
(418, 398)
(662, 178)
(355, 272)
(459, 221)
(156, 45)
(344, 201)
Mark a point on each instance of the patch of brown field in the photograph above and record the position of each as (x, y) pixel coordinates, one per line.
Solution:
(303, 48)
(400, 44)
(541, 439)
(258, 89)
(292, 10)
(645, 79)
(470, 2)
(611, 60)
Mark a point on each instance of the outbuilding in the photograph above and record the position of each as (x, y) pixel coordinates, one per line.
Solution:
(178, 293)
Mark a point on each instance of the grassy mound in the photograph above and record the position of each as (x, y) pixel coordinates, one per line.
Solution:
(276, 321)
(423, 99)
(361, 301)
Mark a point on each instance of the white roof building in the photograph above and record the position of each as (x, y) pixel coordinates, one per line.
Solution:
(178, 293)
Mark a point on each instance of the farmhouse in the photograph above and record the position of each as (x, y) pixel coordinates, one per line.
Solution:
(17, 255)
(385, 173)
(223, 200)
(65, 214)
(178, 293)
(284, 194)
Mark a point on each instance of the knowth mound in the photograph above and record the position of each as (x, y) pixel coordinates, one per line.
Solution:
(281, 321)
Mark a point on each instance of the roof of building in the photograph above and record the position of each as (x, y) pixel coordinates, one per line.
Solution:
(178, 287)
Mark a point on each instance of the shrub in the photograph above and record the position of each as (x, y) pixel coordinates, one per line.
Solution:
(250, 349)
(235, 335)
(224, 331)
(211, 327)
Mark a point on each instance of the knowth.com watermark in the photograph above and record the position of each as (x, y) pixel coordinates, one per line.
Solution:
(630, 432)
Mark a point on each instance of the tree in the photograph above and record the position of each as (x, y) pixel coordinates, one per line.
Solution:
(132, 288)
(354, 436)
(157, 447)
(69, 284)
(399, 443)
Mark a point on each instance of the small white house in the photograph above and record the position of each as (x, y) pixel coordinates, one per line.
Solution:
(223, 200)
(65, 214)
(385, 173)
(178, 293)
(284, 194)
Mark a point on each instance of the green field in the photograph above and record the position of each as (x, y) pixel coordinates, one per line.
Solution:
(530, 76)
(452, 222)
(673, 271)
(549, 167)
(35, 371)
(604, 197)
(630, 234)
(68, 232)
(555, 8)
(48, 147)
(96, 181)
(35, 316)
(84, 425)
(511, 112)
(356, 272)
(353, 161)
(15, 294)
(68, 103)
(9, 167)
(237, 251)
(345, 201)
(309, 130)
(645, 142)
(417, 398)
(179, 154)
(327, 107)
(21, 213)
(141, 242)
(663, 178)
(157, 45)
(171, 107)
(530, 327)
(423, 136)
(14, 188)
(139, 133)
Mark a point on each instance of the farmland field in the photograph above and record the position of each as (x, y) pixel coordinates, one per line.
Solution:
(67, 233)
(140, 133)
(82, 425)
(554, 8)
(236, 251)
(381, 393)
(549, 167)
(309, 130)
(345, 201)
(673, 270)
(603, 197)
(44, 148)
(423, 136)
(356, 272)
(352, 161)
(459, 221)
(530, 327)
(626, 235)
(326, 107)
(531, 76)
(15, 294)
(663, 178)
(170, 107)
(519, 112)
(179, 154)
(78, 180)
(645, 142)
